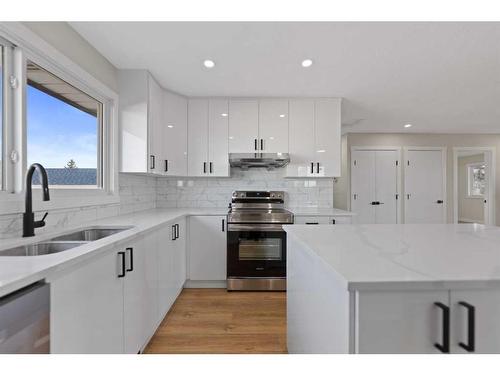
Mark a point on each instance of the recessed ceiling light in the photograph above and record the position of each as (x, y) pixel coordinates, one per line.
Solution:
(223, 114)
(408, 125)
(282, 116)
(209, 64)
(307, 63)
(170, 126)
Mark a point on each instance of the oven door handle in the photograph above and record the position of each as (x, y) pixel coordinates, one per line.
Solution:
(254, 228)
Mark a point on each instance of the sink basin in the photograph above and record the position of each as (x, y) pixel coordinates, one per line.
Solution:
(90, 234)
(41, 248)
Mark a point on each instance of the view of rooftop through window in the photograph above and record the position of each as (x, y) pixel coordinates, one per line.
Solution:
(63, 127)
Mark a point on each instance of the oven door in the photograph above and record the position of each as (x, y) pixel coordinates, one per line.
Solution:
(256, 251)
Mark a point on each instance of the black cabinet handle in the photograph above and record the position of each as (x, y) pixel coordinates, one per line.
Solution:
(376, 203)
(204, 167)
(173, 233)
(255, 144)
(439, 201)
(444, 347)
(210, 167)
(312, 223)
(471, 327)
(131, 250)
(333, 221)
(166, 165)
(121, 254)
(312, 167)
(223, 224)
(262, 144)
(176, 231)
(152, 162)
(317, 167)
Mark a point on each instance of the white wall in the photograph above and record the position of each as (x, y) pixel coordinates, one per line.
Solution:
(469, 209)
(427, 140)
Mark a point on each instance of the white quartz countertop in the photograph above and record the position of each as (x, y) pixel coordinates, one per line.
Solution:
(315, 211)
(18, 272)
(406, 255)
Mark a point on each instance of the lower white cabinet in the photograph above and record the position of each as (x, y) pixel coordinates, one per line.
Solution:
(86, 308)
(312, 220)
(207, 248)
(115, 302)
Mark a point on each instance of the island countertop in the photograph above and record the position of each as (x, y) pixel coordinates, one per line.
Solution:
(405, 255)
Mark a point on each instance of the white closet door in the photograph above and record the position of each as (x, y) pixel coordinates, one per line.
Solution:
(386, 186)
(363, 186)
(424, 187)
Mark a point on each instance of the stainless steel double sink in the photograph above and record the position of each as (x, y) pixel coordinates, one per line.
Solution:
(63, 242)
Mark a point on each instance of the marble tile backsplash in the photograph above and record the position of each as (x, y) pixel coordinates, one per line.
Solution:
(216, 192)
(137, 193)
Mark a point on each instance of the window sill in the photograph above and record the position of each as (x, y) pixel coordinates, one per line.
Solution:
(59, 199)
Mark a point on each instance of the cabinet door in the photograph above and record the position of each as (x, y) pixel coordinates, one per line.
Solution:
(312, 220)
(273, 125)
(218, 138)
(301, 126)
(166, 268)
(179, 258)
(155, 126)
(174, 162)
(140, 292)
(363, 186)
(86, 308)
(327, 137)
(399, 322)
(486, 326)
(207, 248)
(198, 137)
(243, 126)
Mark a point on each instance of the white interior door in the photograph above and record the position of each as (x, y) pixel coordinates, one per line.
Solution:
(386, 186)
(363, 186)
(424, 186)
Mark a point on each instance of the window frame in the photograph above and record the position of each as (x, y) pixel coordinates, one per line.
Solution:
(470, 177)
(27, 45)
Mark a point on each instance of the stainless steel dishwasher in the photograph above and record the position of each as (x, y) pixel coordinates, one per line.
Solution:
(25, 320)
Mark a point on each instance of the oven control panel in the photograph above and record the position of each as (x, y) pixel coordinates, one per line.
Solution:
(259, 194)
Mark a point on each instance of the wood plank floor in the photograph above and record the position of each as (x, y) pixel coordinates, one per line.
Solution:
(217, 321)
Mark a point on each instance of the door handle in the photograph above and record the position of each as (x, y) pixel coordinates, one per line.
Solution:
(152, 157)
(471, 327)
(444, 347)
(131, 250)
(121, 254)
(223, 224)
(375, 203)
(439, 201)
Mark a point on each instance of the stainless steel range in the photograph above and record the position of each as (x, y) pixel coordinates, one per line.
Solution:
(256, 241)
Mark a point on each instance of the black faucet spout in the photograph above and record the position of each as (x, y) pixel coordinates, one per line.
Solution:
(29, 223)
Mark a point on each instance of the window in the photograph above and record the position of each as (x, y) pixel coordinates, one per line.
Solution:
(476, 173)
(64, 128)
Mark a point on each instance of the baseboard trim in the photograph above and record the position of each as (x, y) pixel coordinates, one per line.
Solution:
(218, 284)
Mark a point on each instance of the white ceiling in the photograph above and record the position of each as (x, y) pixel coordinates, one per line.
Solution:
(440, 77)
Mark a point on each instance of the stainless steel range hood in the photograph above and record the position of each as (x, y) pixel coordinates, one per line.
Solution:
(259, 160)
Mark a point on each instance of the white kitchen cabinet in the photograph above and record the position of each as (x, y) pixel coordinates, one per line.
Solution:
(140, 292)
(175, 146)
(208, 138)
(273, 125)
(314, 133)
(207, 248)
(86, 308)
(243, 126)
(141, 117)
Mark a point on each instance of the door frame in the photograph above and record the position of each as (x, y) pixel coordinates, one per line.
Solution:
(444, 151)
(490, 154)
(398, 149)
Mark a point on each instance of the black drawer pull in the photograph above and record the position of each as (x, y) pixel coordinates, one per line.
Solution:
(262, 144)
(317, 167)
(315, 223)
(211, 169)
(312, 167)
(439, 201)
(166, 165)
(444, 347)
(255, 144)
(131, 250)
(223, 225)
(173, 233)
(204, 167)
(176, 231)
(152, 162)
(471, 327)
(121, 254)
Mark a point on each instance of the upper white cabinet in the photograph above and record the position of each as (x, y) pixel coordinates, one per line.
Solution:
(174, 148)
(258, 125)
(315, 131)
(207, 137)
(141, 121)
(243, 126)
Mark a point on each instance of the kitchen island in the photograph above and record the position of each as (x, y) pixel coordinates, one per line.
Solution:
(393, 289)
